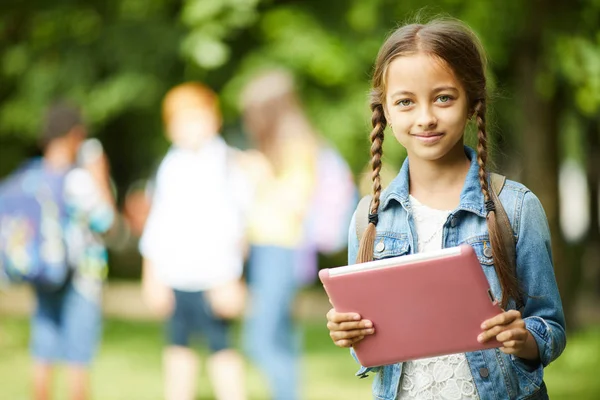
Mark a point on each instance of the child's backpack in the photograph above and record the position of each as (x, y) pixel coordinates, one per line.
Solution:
(32, 245)
(330, 212)
(334, 200)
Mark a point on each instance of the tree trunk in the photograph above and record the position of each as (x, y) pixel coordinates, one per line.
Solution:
(539, 134)
(592, 254)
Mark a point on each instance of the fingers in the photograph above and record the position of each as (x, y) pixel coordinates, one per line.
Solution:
(346, 326)
(489, 334)
(518, 334)
(348, 342)
(504, 318)
(334, 316)
(504, 327)
(336, 336)
(345, 329)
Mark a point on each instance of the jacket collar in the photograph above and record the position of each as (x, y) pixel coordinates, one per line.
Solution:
(471, 198)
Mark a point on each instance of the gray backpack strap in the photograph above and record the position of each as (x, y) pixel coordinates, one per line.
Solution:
(497, 183)
(362, 215)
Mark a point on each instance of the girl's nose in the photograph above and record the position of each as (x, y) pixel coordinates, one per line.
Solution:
(426, 119)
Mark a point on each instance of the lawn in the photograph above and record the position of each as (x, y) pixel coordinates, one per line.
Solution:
(128, 366)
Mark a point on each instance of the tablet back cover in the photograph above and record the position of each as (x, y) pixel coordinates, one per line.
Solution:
(419, 310)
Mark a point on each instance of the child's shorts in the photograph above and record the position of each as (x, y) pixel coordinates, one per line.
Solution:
(193, 317)
(65, 327)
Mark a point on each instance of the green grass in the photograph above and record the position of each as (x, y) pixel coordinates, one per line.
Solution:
(128, 366)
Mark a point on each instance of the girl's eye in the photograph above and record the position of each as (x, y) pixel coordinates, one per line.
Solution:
(444, 99)
(404, 102)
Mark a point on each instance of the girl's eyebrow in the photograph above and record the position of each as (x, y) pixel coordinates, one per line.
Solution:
(445, 88)
(436, 90)
(402, 93)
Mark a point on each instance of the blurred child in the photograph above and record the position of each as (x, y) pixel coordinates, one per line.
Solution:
(72, 184)
(193, 244)
(279, 129)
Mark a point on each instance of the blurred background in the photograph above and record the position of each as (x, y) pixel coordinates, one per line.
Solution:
(117, 59)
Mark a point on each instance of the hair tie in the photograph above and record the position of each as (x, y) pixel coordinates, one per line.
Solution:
(373, 218)
(490, 206)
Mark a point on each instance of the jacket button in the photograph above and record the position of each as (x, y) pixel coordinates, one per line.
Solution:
(487, 252)
(453, 222)
(380, 247)
(484, 372)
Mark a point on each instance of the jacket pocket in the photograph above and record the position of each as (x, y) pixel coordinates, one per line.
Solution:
(390, 244)
(483, 249)
(526, 379)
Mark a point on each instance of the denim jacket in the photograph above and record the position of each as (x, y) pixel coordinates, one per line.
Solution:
(496, 375)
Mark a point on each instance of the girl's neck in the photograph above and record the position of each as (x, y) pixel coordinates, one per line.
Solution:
(438, 184)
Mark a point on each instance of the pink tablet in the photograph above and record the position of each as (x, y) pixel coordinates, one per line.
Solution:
(422, 305)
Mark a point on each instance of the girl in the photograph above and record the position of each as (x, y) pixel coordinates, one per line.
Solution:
(429, 82)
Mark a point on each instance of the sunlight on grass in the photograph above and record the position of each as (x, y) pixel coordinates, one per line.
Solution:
(128, 366)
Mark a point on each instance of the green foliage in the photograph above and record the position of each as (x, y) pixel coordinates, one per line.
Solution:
(579, 62)
(118, 57)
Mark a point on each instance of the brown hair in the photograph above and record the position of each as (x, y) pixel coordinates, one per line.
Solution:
(189, 95)
(455, 44)
(60, 119)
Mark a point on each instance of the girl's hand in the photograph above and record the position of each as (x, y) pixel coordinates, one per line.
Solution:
(346, 329)
(509, 329)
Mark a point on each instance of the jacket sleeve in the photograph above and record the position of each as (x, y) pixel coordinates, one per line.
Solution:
(543, 312)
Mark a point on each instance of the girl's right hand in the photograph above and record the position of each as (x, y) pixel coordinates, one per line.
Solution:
(345, 329)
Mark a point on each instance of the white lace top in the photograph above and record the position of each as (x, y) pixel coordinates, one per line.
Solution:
(445, 377)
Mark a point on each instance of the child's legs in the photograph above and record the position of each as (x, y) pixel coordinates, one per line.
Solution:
(226, 369)
(225, 365)
(42, 380)
(193, 316)
(66, 327)
(269, 334)
(45, 342)
(81, 335)
(180, 371)
(78, 382)
(180, 362)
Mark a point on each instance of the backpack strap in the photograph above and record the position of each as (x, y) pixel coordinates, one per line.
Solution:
(497, 182)
(362, 215)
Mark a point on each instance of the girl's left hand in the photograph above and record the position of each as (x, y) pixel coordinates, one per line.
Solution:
(509, 329)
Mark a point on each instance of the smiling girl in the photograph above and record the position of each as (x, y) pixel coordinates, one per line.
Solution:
(429, 84)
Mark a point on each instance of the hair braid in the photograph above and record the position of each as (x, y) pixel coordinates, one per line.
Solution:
(365, 249)
(506, 275)
(482, 148)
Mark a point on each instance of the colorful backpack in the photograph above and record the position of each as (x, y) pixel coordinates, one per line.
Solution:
(32, 216)
(333, 202)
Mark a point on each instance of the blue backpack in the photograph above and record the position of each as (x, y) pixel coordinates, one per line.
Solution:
(32, 216)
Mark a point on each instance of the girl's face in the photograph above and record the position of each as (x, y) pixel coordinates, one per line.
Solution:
(426, 106)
